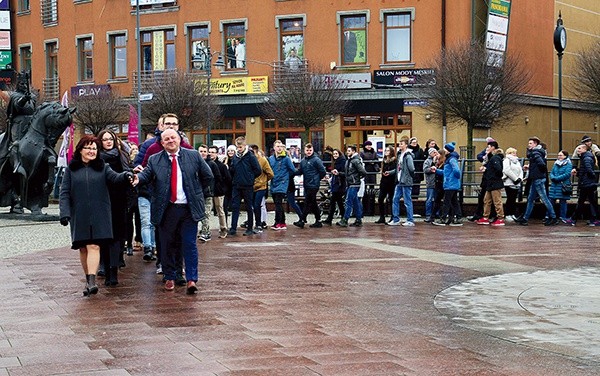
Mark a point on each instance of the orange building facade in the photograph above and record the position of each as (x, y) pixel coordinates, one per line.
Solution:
(81, 46)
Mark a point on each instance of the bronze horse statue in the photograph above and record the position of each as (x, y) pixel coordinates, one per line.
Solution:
(27, 165)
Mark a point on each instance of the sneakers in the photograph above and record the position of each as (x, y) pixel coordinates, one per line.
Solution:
(159, 269)
(248, 233)
(169, 285)
(299, 223)
(482, 221)
(316, 225)
(593, 223)
(257, 230)
(223, 233)
(428, 220)
(551, 222)
(393, 223)
(204, 237)
(380, 221)
(342, 223)
(232, 232)
(279, 226)
(191, 288)
(455, 223)
(498, 222)
(408, 224)
(439, 222)
(148, 255)
(570, 222)
(522, 221)
(356, 223)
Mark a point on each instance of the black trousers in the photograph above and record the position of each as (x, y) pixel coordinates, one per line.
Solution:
(310, 204)
(337, 198)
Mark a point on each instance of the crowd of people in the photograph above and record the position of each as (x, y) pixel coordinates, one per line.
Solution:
(168, 191)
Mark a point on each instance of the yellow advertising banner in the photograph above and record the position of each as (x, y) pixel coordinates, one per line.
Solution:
(158, 51)
(236, 85)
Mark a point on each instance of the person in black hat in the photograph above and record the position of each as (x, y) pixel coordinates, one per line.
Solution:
(593, 148)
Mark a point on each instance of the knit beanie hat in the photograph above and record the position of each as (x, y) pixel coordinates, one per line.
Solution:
(585, 139)
(431, 151)
(450, 146)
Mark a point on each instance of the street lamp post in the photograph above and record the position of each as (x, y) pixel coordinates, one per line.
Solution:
(139, 70)
(560, 43)
(205, 56)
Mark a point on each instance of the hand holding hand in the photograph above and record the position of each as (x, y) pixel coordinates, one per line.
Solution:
(138, 168)
(135, 180)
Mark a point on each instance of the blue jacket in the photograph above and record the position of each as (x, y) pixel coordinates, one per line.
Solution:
(451, 172)
(244, 169)
(313, 170)
(558, 176)
(197, 178)
(585, 172)
(282, 167)
(537, 163)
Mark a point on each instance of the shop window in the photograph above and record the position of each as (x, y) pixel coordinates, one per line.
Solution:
(235, 39)
(158, 50)
(199, 48)
(354, 39)
(291, 34)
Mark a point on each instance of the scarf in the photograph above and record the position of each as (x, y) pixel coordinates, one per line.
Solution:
(560, 163)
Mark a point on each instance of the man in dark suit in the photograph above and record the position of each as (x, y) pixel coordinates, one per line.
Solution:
(181, 179)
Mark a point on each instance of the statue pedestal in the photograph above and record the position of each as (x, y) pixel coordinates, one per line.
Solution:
(30, 217)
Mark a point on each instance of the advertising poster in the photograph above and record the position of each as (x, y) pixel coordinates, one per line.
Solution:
(222, 145)
(378, 144)
(294, 146)
(293, 42)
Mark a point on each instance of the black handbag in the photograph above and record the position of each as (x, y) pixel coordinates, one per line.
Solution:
(567, 189)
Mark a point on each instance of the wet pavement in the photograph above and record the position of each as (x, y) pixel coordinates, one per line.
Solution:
(376, 300)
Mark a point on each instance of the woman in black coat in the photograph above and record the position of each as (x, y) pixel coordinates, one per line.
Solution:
(387, 185)
(111, 255)
(85, 203)
(338, 186)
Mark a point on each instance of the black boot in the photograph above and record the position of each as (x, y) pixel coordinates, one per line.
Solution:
(113, 280)
(381, 220)
(90, 288)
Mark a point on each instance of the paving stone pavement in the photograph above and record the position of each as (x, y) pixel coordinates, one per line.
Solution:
(375, 300)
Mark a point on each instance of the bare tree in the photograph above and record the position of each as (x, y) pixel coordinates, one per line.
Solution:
(587, 82)
(97, 112)
(182, 94)
(305, 98)
(475, 89)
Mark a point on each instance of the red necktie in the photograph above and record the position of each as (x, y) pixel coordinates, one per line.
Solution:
(173, 178)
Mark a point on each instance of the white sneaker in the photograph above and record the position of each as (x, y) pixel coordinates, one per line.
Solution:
(408, 224)
(392, 223)
(159, 270)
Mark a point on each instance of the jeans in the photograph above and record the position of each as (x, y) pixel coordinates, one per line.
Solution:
(178, 237)
(259, 196)
(353, 204)
(236, 203)
(291, 199)
(538, 189)
(402, 191)
(279, 212)
(148, 239)
(429, 202)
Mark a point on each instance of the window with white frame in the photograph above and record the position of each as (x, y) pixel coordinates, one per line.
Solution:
(49, 12)
(118, 55)
(397, 37)
(354, 39)
(235, 37)
(158, 50)
(85, 59)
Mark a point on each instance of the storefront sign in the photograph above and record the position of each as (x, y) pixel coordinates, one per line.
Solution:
(5, 59)
(416, 103)
(404, 78)
(4, 20)
(7, 78)
(500, 7)
(349, 80)
(87, 90)
(5, 40)
(497, 31)
(236, 85)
